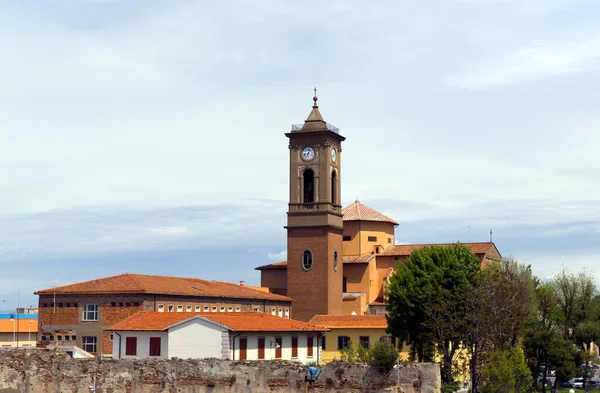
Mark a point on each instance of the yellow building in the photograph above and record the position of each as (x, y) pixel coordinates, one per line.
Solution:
(364, 330)
(22, 332)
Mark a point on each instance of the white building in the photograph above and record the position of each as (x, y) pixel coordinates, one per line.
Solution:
(236, 336)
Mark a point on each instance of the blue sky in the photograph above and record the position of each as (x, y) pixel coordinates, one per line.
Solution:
(147, 136)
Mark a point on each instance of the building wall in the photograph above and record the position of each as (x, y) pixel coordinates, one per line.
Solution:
(275, 280)
(195, 339)
(270, 346)
(318, 290)
(6, 339)
(360, 231)
(331, 351)
(355, 305)
(143, 345)
(63, 315)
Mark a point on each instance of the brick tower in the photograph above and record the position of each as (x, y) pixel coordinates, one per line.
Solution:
(315, 224)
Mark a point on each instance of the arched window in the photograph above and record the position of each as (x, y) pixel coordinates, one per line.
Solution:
(333, 181)
(309, 186)
(335, 261)
(307, 260)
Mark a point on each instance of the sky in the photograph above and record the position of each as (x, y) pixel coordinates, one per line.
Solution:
(148, 136)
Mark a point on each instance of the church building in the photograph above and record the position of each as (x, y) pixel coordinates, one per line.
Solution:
(339, 259)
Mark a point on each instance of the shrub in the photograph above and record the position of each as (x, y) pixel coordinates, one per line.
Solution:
(383, 355)
(506, 372)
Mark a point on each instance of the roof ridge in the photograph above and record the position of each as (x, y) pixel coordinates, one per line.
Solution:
(129, 275)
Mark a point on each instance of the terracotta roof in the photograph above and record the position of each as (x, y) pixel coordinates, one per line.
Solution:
(407, 249)
(350, 321)
(238, 321)
(359, 212)
(144, 283)
(7, 326)
(273, 266)
(359, 259)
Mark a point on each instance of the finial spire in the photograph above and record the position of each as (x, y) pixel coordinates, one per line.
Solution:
(315, 98)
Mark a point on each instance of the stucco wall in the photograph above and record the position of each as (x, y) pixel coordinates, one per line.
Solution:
(194, 337)
(49, 372)
(143, 344)
(286, 347)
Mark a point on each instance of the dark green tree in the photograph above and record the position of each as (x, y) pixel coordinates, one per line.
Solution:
(426, 307)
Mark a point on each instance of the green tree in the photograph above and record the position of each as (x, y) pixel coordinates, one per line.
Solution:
(506, 372)
(426, 307)
(383, 356)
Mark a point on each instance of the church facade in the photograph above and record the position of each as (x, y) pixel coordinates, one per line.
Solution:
(339, 259)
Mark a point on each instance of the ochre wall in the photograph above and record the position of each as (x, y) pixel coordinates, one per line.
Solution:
(359, 231)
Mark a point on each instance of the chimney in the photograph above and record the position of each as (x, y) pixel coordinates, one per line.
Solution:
(242, 283)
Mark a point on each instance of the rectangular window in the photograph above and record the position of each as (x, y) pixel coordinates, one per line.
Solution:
(294, 347)
(136, 304)
(90, 312)
(273, 311)
(43, 338)
(161, 308)
(127, 304)
(121, 304)
(364, 341)
(281, 312)
(261, 347)
(237, 309)
(73, 338)
(256, 309)
(111, 337)
(372, 238)
(229, 309)
(89, 343)
(170, 308)
(347, 238)
(309, 347)
(75, 305)
(59, 337)
(131, 346)
(67, 338)
(343, 342)
(52, 337)
(60, 304)
(179, 308)
(154, 346)
(214, 308)
(287, 313)
(197, 309)
(222, 309)
(389, 240)
(188, 308)
(205, 308)
(323, 343)
(113, 304)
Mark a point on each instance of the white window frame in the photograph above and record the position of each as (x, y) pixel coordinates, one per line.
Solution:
(170, 308)
(188, 308)
(229, 309)
(180, 308)
(93, 343)
(90, 312)
(197, 309)
(214, 309)
(238, 309)
(222, 309)
(161, 308)
(206, 309)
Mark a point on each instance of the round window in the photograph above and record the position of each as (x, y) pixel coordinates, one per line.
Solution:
(307, 260)
(335, 261)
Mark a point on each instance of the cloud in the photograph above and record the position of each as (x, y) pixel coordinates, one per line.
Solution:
(278, 256)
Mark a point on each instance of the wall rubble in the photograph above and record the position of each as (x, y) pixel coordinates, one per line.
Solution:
(44, 371)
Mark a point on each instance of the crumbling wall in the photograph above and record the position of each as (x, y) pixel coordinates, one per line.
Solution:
(44, 371)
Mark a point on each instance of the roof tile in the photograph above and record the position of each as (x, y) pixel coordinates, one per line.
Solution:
(350, 321)
(407, 249)
(239, 321)
(144, 283)
(359, 212)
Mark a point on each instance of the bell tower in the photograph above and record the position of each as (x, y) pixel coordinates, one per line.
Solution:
(315, 221)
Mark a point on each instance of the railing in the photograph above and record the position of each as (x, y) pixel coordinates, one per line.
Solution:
(330, 127)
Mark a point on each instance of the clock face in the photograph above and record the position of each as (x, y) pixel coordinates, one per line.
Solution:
(333, 155)
(308, 153)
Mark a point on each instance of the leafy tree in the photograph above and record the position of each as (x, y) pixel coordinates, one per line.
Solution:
(506, 372)
(426, 306)
(384, 356)
(499, 304)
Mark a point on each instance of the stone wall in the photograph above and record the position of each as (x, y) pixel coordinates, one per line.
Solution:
(44, 371)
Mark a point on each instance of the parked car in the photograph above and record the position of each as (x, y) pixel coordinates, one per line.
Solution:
(577, 383)
(594, 383)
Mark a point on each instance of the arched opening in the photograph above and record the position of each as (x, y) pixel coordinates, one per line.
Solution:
(307, 260)
(345, 284)
(335, 261)
(309, 186)
(333, 181)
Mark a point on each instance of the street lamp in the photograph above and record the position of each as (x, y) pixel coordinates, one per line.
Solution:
(29, 332)
(14, 330)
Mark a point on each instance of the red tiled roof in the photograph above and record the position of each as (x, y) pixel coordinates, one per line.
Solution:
(239, 321)
(359, 259)
(407, 249)
(144, 283)
(23, 326)
(359, 212)
(350, 321)
(273, 266)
